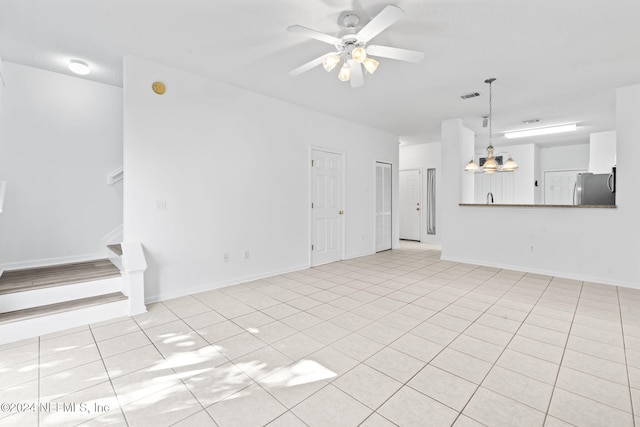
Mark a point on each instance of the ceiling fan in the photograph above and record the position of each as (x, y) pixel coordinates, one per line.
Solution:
(352, 48)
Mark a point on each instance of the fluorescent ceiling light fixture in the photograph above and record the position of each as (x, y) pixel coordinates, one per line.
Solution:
(79, 67)
(541, 131)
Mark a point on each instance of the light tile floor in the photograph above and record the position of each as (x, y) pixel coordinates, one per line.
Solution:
(397, 338)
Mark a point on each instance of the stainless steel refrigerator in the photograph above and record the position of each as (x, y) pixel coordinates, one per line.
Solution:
(595, 189)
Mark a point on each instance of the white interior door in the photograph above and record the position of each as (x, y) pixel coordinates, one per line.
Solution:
(410, 209)
(383, 206)
(558, 187)
(326, 207)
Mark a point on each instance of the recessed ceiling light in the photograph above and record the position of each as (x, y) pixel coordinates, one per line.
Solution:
(541, 131)
(79, 67)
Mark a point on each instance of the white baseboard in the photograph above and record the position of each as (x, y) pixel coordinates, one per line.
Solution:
(358, 255)
(561, 274)
(50, 261)
(114, 236)
(221, 284)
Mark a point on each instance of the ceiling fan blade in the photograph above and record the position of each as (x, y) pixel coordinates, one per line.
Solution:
(379, 23)
(309, 65)
(395, 53)
(313, 34)
(357, 78)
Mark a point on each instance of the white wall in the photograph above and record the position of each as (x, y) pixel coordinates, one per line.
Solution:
(425, 156)
(564, 157)
(600, 245)
(233, 168)
(59, 138)
(602, 151)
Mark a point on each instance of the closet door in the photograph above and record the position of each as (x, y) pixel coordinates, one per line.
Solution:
(383, 206)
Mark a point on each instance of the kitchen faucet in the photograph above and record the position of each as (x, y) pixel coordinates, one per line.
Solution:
(489, 197)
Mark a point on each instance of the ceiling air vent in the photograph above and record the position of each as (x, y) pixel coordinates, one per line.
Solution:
(469, 95)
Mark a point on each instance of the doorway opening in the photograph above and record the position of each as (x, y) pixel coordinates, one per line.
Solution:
(411, 204)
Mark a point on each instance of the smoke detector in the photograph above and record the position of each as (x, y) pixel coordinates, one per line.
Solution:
(470, 95)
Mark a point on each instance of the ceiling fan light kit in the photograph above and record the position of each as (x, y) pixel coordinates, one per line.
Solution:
(330, 62)
(352, 47)
(345, 73)
(371, 65)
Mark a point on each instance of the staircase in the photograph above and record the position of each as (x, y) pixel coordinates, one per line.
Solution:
(41, 300)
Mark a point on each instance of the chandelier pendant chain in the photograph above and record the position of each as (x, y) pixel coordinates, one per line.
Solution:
(490, 164)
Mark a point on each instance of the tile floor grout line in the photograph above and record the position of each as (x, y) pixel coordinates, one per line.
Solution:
(389, 268)
(253, 381)
(431, 291)
(626, 362)
(378, 414)
(106, 371)
(444, 347)
(493, 365)
(358, 364)
(174, 371)
(553, 390)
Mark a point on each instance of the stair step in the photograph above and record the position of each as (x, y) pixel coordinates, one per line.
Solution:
(116, 249)
(62, 274)
(44, 310)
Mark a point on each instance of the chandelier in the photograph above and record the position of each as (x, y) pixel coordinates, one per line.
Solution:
(491, 164)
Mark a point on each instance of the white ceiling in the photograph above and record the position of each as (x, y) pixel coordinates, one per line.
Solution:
(556, 60)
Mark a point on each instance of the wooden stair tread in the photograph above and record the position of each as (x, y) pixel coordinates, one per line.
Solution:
(55, 275)
(44, 310)
(116, 249)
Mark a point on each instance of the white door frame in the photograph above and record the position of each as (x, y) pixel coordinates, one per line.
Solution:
(375, 164)
(422, 200)
(343, 154)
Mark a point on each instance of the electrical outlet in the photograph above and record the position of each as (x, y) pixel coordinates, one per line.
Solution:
(246, 254)
(530, 248)
(226, 257)
(161, 205)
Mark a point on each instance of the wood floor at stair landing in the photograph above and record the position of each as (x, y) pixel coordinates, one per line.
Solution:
(44, 277)
(43, 310)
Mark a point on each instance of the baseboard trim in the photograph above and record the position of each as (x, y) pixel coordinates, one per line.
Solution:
(561, 274)
(221, 284)
(50, 261)
(358, 255)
